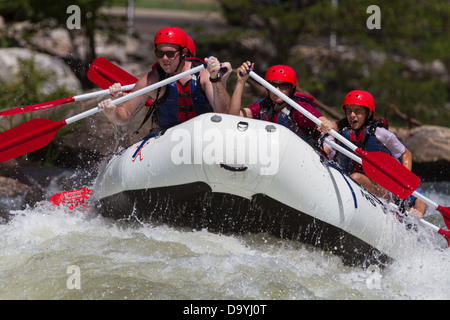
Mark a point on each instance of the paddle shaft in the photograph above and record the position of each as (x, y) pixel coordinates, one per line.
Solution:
(442, 232)
(37, 133)
(137, 93)
(54, 103)
(296, 106)
(354, 157)
(100, 93)
(443, 210)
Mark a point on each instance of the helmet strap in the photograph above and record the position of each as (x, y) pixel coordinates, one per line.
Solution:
(182, 57)
(369, 116)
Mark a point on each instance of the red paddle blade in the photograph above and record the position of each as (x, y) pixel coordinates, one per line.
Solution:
(36, 107)
(27, 137)
(389, 173)
(445, 211)
(445, 234)
(72, 199)
(105, 73)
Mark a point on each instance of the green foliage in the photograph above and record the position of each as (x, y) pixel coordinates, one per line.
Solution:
(282, 24)
(415, 97)
(410, 31)
(53, 14)
(188, 5)
(20, 10)
(27, 90)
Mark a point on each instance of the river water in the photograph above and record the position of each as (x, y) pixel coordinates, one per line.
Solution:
(49, 252)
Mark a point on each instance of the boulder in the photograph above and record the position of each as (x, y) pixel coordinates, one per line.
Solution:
(430, 148)
(55, 41)
(12, 188)
(15, 195)
(61, 74)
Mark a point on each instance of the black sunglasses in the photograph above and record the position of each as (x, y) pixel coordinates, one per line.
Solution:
(169, 54)
(282, 85)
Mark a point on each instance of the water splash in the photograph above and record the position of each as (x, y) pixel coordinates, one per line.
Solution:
(136, 260)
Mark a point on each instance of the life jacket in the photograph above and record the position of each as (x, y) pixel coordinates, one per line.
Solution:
(284, 116)
(179, 102)
(182, 102)
(363, 139)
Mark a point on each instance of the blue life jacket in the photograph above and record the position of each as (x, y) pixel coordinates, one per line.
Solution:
(363, 139)
(181, 103)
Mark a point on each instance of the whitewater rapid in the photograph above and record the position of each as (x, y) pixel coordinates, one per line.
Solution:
(49, 252)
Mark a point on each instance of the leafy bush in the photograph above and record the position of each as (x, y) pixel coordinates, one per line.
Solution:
(27, 90)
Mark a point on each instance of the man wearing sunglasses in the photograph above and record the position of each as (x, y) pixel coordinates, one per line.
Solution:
(178, 101)
(275, 109)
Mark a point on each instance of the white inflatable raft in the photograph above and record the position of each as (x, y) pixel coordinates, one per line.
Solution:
(234, 174)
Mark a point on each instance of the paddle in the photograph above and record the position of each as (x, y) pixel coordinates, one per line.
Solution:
(37, 133)
(442, 232)
(72, 199)
(105, 73)
(54, 103)
(378, 166)
(101, 72)
(445, 211)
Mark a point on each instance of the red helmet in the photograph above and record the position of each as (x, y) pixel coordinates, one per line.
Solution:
(171, 35)
(360, 98)
(282, 73)
(191, 46)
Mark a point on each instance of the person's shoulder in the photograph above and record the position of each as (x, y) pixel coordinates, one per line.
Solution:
(304, 96)
(384, 135)
(256, 105)
(255, 108)
(148, 78)
(155, 65)
(153, 75)
(383, 131)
